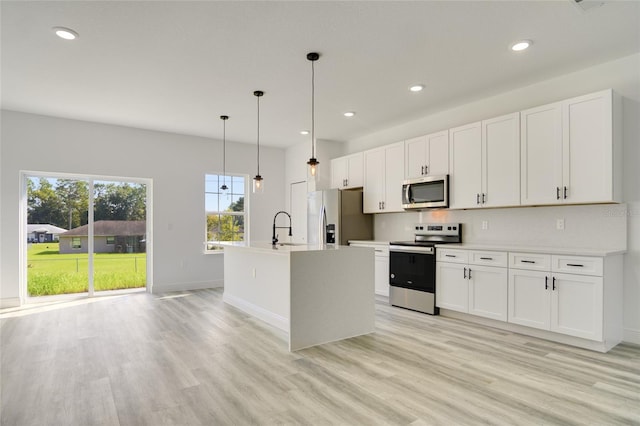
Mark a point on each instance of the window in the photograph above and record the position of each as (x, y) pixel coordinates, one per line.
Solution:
(225, 213)
(111, 240)
(76, 243)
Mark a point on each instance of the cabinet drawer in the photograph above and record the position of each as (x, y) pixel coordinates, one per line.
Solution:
(530, 261)
(489, 258)
(577, 265)
(452, 255)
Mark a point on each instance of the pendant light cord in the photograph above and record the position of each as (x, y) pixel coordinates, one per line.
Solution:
(313, 111)
(224, 149)
(258, 138)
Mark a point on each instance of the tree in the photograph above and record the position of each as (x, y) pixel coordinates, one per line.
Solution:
(120, 201)
(43, 204)
(224, 227)
(74, 195)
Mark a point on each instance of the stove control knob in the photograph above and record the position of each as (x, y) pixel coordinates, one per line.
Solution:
(393, 275)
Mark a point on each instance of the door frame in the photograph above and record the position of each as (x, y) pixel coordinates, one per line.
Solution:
(90, 178)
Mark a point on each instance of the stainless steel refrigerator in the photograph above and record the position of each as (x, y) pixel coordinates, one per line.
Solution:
(335, 216)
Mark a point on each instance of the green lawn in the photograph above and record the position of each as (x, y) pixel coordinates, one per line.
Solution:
(49, 272)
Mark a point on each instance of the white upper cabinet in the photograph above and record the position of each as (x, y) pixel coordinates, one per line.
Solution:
(465, 165)
(484, 163)
(501, 161)
(427, 155)
(348, 171)
(541, 154)
(569, 152)
(383, 176)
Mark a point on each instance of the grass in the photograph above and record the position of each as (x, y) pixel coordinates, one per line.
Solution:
(49, 272)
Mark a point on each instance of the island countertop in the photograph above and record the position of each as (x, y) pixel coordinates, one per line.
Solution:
(286, 248)
(314, 293)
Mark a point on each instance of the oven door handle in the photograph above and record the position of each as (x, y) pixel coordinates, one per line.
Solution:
(412, 250)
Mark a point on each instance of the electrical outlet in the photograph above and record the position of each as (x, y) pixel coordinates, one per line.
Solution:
(485, 224)
(560, 224)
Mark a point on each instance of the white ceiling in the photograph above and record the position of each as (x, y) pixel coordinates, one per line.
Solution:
(177, 66)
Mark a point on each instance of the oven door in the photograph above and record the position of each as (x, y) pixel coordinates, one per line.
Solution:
(413, 268)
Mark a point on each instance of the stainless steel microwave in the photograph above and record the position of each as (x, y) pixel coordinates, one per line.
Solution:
(426, 192)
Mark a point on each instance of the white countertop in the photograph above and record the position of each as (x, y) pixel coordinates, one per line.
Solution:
(369, 242)
(532, 249)
(286, 248)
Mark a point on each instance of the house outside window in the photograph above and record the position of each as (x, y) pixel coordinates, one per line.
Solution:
(111, 240)
(76, 243)
(226, 213)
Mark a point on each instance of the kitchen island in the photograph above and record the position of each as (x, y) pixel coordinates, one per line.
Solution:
(314, 293)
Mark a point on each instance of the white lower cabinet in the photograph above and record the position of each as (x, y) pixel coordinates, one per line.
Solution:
(382, 271)
(381, 285)
(465, 283)
(570, 304)
(575, 299)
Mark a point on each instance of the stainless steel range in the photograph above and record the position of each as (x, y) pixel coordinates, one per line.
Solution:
(412, 266)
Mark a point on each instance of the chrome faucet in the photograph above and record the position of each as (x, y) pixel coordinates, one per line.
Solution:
(274, 237)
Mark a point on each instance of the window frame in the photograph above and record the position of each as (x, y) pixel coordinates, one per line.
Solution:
(74, 246)
(217, 247)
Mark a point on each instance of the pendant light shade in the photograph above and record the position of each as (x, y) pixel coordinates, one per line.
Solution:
(313, 162)
(224, 188)
(258, 181)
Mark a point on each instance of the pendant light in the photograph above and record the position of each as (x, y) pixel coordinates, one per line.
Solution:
(313, 162)
(258, 182)
(224, 187)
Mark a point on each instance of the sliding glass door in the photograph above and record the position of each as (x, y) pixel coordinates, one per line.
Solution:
(84, 235)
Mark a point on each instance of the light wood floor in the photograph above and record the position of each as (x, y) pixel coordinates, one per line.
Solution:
(189, 359)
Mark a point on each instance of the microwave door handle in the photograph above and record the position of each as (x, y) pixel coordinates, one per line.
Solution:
(406, 193)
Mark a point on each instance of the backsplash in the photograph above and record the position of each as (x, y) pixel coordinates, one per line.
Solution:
(589, 226)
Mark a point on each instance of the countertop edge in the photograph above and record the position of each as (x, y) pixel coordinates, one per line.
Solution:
(529, 249)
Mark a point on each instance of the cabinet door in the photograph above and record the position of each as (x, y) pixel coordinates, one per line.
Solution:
(529, 298)
(438, 153)
(373, 191)
(382, 274)
(416, 160)
(501, 161)
(452, 286)
(488, 292)
(338, 172)
(576, 306)
(465, 165)
(393, 177)
(588, 148)
(541, 154)
(355, 171)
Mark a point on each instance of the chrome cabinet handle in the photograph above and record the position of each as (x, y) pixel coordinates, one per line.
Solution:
(422, 170)
(483, 195)
(477, 198)
(426, 170)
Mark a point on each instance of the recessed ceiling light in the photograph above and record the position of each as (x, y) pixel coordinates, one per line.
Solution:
(304, 132)
(65, 33)
(416, 87)
(349, 114)
(521, 45)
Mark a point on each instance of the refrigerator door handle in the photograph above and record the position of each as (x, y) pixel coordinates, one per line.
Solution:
(322, 236)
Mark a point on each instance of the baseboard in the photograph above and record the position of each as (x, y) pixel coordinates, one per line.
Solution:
(183, 286)
(258, 312)
(9, 302)
(631, 336)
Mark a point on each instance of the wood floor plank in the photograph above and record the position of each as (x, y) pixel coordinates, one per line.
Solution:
(187, 358)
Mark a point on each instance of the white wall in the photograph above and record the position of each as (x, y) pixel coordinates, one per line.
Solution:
(600, 226)
(176, 164)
